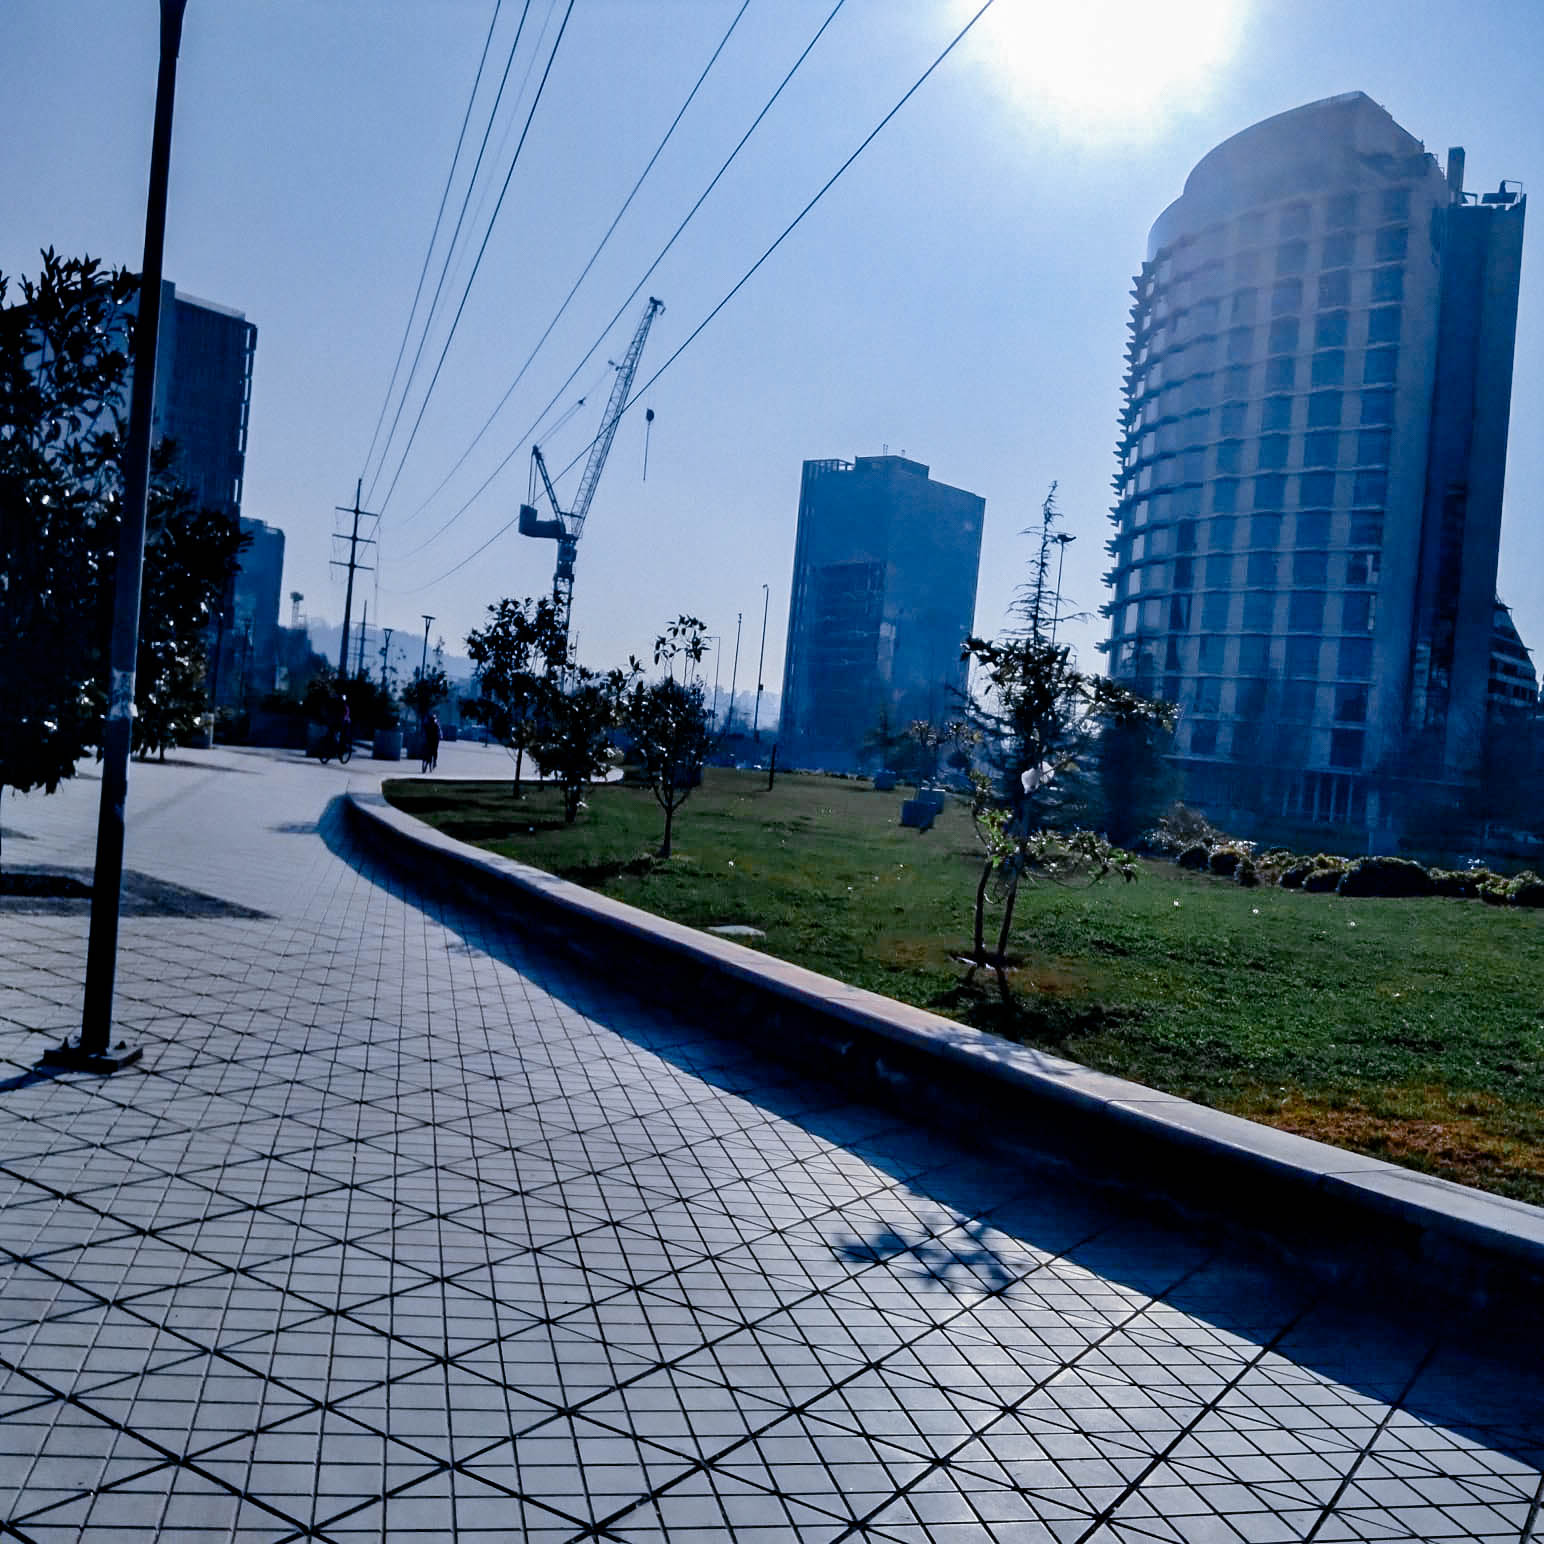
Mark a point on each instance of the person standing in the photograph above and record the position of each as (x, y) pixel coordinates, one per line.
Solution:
(431, 742)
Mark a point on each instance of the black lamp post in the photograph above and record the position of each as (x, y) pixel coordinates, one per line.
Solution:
(92, 1052)
(1061, 539)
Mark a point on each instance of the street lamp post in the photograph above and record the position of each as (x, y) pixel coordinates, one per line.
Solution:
(91, 1051)
(734, 674)
(761, 659)
(717, 642)
(1062, 538)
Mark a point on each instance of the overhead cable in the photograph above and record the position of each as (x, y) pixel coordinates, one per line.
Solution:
(740, 284)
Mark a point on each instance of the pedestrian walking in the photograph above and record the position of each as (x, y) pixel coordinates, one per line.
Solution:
(431, 742)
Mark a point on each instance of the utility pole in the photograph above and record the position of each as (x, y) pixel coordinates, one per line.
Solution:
(718, 651)
(364, 622)
(734, 675)
(761, 659)
(91, 1052)
(354, 540)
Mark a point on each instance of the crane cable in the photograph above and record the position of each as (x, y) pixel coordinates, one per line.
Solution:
(585, 271)
(434, 236)
(520, 442)
(439, 283)
(481, 251)
(740, 284)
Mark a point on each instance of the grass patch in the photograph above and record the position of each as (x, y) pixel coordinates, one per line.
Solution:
(1411, 1030)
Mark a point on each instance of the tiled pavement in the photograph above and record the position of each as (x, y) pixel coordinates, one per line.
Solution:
(405, 1231)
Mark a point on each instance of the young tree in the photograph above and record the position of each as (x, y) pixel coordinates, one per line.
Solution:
(63, 374)
(517, 657)
(882, 742)
(573, 739)
(668, 720)
(190, 556)
(426, 691)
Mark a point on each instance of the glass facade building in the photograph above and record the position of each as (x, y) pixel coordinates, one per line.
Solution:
(1310, 463)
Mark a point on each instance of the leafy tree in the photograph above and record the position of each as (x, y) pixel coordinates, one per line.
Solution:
(882, 742)
(517, 657)
(1137, 781)
(573, 739)
(190, 556)
(63, 372)
(668, 720)
(426, 691)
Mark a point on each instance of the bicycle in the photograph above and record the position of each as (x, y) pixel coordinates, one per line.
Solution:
(334, 745)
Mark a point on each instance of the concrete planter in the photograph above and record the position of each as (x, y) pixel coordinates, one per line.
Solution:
(885, 781)
(387, 745)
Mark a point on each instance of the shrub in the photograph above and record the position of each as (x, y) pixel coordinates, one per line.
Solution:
(1387, 877)
(1496, 891)
(1247, 874)
(1293, 875)
(1528, 890)
(1179, 829)
(1322, 880)
(1195, 857)
(1224, 860)
(1456, 884)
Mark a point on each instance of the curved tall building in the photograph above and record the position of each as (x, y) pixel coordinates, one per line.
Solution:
(1311, 458)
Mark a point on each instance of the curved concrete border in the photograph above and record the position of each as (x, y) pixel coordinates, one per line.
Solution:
(1336, 1212)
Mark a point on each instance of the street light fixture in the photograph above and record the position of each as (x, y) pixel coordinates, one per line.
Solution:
(1062, 538)
(91, 1052)
(761, 659)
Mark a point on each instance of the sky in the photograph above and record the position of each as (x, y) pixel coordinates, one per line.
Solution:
(960, 293)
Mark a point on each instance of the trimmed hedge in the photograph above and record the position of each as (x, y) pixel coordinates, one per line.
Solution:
(1322, 881)
(1225, 861)
(1386, 876)
(1195, 857)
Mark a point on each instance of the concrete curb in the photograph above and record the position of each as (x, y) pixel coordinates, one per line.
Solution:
(1336, 1213)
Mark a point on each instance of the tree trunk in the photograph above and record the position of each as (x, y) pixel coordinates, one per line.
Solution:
(1001, 961)
(977, 953)
(664, 846)
(519, 757)
(571, 794)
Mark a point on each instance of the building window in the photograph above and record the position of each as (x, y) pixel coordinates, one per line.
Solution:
(1276, 413)
(1262, 570)
(1322, 448)
(1355, 659)
(1286, 296)
(1259, 610)
(1236, 381)
(1209, 652)
(1244, 303)
(1219, 570)
(1240, 344)
(1369, 489)
(1292, 257)
(1273, 451)
(1208, 695)
(1254, 654)
(1187, 536)
(1152, 615)
(1294, 220)
(1331, 329)
(1383, 325)
(1367, 530)
(1303, 657)
(1324, 410)
(1339, 250)
(1381, 367)
(1270, 491)
(1362, 568)
(1346, 747)
(1214, 611)
(1251, 228)
(1329, 368)
(1341, 211)
(1313, 529)
(1309, 568)
(1185, 501)
(1283, 335)
(1230, 419)
(1179, 614)
(1305, 611)
(1357, 611)
(1230, 456)
(1184, 573)
(1334, 289)
(1316, 490)
(1395, 204)
(1193, 466)
(1203, 738)
(1372, 447)
(1350, 704)
(1221, 536)
(1390, 243)
(1388, 284)
(1224, 498)
(1297, 698)
(1246, 267)
(1377, 407)
(1281, 373)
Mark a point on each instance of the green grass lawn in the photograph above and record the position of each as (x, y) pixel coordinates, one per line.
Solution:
(1408, 1029)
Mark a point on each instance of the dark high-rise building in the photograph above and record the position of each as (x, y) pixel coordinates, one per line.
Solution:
(883, 595)
(255, 609)
(1311, 458)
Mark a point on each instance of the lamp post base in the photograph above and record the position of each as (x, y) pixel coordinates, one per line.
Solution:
(72, 1057)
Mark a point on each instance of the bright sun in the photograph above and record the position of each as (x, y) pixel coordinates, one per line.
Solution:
(1106, 69)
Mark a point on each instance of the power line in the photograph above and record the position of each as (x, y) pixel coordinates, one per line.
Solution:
(585, 271)
(434, 236)
(744, 279)
(477, 264)
(439, 283)
(589, 354)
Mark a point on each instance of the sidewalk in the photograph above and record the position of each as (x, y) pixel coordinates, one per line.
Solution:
(402, 1231)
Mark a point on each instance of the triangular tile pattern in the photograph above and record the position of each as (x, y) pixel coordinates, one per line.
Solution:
(408, 1232)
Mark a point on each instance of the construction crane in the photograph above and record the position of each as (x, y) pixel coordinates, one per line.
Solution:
(566, 526)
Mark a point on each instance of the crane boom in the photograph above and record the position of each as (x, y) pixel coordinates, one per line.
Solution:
(601, 448)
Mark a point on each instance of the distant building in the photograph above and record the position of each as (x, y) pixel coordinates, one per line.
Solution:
(883, 595)
(1513, 686)
(251, 643)
(1311, 458)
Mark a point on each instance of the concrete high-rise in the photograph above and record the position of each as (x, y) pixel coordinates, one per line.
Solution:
(883, 595)
(1311, 459)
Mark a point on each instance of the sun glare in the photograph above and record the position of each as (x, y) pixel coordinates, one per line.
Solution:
(1106, 69)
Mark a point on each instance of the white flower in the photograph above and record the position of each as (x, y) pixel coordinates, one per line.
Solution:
(1037, 777)
(1254, 911)
(731, 863)
(1176, 903)
(1350, 924)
